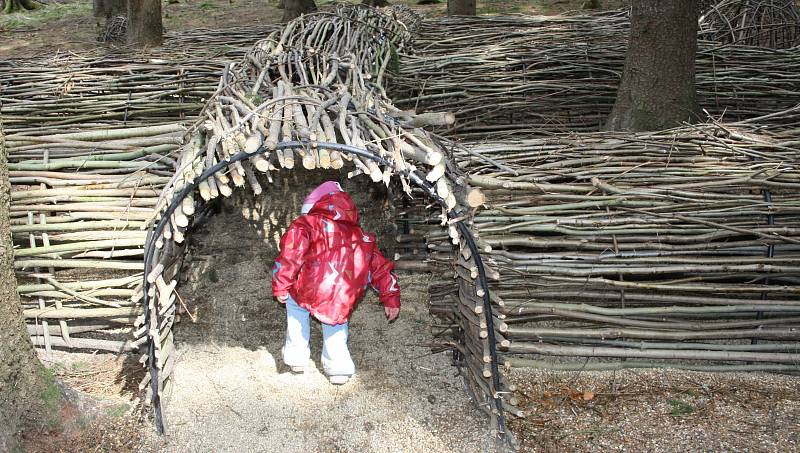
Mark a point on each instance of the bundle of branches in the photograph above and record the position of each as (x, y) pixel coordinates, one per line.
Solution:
(774, 24)
(79, 203)
(103, 90)
(668, 249)
(530, 76)
(313, 95)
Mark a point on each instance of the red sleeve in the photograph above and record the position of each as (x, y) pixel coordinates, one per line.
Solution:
(384, 281)
(294, 245)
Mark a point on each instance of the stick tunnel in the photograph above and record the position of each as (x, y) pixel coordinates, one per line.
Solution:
(312, 97)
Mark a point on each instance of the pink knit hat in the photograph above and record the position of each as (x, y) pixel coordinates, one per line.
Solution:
(326, 188)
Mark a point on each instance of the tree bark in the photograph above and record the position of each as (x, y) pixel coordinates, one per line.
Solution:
(110, 8)
(27, 394)
(295, 8)
(12, 6)
(658, 83)
(145, 28)
(461, 8)
(375, 3)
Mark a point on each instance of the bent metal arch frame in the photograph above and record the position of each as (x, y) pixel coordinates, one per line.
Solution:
(455, 217)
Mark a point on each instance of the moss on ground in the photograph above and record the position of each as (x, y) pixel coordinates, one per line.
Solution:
(51, 399)
(42, 16)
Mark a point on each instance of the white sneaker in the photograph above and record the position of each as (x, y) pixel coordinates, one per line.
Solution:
(298, 369)
(339, 379)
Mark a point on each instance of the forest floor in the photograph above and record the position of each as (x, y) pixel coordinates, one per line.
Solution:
(64, 26)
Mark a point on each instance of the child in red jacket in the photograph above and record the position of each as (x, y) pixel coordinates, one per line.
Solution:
(325, 265)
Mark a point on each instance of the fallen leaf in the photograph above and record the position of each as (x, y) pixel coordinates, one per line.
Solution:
(588, 396)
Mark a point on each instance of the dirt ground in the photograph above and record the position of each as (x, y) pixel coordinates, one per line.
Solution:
(71, 27)
(657, 411)
(103, 410)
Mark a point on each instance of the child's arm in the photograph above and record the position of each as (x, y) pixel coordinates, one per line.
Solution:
(294, 245)
(385, 283)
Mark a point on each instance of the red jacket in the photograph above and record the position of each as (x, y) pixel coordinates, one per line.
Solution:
(327, 261)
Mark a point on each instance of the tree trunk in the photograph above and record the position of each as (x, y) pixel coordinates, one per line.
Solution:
(375, 3)
(461, 8)
(144, 23)
(110, 8)
(28, 397)
(115, 12)
(12, 6)
(295, 8)
(658, 88)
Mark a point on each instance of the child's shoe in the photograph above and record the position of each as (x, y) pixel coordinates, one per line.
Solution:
(339, 379)
(298, 369)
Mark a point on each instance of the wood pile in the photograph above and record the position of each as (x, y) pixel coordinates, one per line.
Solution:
(521, 76)
(672, 249)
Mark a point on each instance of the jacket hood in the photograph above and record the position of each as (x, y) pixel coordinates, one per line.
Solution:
(337, 206)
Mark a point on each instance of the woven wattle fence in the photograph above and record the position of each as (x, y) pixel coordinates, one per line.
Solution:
(91, 142)
(773, 24)
(673, 249)
(505, 76)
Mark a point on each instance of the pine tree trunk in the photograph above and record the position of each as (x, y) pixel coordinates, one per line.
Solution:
(110, 8)
(295, 8)
(461, 8)
(23, 383)
(12, 6)
(145, 28)
(376, 3)
(658, 83)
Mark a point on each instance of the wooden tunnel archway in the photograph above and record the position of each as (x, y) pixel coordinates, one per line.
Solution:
(317, 89)
(151, 269)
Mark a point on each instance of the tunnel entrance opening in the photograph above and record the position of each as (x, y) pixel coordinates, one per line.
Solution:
(231, 331)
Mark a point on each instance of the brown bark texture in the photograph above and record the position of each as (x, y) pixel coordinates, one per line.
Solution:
(461, 8)
(658, 82)
(145, 28)
(110, 8)
(293, 9)
(12, 6)
(375, 3)
(22, 379)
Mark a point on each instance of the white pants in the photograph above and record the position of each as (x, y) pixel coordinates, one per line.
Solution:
(336, 359)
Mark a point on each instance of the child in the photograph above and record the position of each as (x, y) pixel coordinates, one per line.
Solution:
(325, 264)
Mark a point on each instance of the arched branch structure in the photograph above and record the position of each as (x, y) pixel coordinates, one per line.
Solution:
(316, 91)
(151, 262)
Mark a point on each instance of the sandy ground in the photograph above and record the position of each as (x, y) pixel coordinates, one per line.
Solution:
(232, 392)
